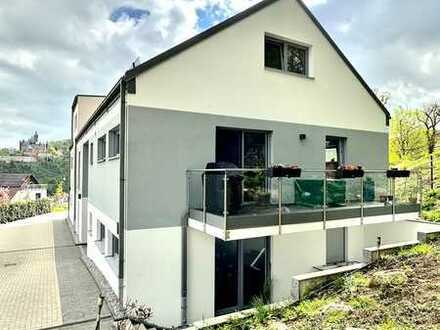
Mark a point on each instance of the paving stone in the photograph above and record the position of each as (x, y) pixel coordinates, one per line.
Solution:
(44, 283)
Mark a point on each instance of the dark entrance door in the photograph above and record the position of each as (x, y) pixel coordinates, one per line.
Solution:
(241, 270)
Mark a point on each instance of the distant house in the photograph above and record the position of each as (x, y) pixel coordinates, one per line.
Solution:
(22, 187)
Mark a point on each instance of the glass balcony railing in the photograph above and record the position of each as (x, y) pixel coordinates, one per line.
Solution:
(230, 199)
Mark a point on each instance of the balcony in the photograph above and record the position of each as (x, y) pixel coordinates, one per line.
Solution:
(243, 203)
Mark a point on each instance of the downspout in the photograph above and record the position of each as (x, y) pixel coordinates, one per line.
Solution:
(184, 275)
(122, 192)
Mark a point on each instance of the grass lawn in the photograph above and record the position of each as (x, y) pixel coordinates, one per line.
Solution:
(60, 207)
(399, 292)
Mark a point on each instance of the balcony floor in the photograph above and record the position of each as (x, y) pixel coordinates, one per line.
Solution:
(301, 218)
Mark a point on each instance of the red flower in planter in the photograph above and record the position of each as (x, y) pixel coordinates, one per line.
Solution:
(349, 171)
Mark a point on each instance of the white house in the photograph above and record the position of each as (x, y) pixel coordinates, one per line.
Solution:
(22, 187)
(265, 87)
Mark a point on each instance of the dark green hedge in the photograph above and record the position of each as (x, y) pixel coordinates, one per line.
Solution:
(20, 210)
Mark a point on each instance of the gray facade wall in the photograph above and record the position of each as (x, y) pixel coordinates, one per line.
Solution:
(163, 144)
(103, 187)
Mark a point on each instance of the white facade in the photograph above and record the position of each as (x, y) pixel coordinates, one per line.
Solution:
(215, 69)
(152, 260)
(30, 193)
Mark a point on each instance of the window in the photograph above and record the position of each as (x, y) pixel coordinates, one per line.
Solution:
(334, 153)
(102, 148)
(115, 242)
(91, 153)
(101, 231)
(285, 56)
(113, 141)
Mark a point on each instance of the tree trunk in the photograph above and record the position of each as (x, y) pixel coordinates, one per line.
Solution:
(431, 157)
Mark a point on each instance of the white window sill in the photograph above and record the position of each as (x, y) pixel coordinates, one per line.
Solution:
(99, 161)
(289, 73)
(114, 157)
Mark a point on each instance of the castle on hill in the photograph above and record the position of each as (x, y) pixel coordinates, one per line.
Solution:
(32, 147)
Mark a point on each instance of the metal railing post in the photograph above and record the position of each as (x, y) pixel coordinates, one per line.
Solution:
(393, 191)
(204, 200)
(188, 189)
(225, 201)
(362, 200)
(324, 204)
(280, 205)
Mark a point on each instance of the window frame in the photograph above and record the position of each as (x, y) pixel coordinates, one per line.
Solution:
(114, 142)
(284, 58)
(91, 153)
(115, 246)
(102, 149)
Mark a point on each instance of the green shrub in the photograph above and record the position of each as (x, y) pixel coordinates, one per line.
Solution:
(20, 210)
(356, 281)
(433, 215)
(262, 311)
(312, 307)
(335, 317)
(362, 302)
(431, 200)
(418, 250)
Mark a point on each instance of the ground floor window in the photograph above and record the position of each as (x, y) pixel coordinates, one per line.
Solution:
(115, 243)
(101, 232)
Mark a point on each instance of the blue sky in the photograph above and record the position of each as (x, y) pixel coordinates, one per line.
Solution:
(136, 14)
(83, 46)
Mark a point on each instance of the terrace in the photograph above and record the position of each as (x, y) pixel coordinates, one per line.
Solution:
(232, 203)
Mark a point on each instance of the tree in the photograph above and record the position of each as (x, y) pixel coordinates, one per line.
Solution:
(58, 190)
(407, 141)
(429, 117)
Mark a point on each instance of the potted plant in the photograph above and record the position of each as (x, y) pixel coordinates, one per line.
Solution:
(281, 171)
(396, 173)
(349, 171)
(262, 197)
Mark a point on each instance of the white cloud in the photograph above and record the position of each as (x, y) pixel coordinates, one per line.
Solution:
(20, 58)
(50, 52)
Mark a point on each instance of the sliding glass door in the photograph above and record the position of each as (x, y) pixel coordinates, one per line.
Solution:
(245, 149)
(241, 273)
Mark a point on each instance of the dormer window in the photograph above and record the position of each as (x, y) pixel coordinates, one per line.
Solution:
(285, 56)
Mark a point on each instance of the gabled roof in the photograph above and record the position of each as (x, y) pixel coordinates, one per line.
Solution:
(16, 180)
(132, 73)
(234, 19)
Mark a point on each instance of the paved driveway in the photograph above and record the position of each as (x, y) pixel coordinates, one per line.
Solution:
(43, 282)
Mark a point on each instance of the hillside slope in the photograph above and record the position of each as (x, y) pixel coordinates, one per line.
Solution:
(401, 291)
(47, 171)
